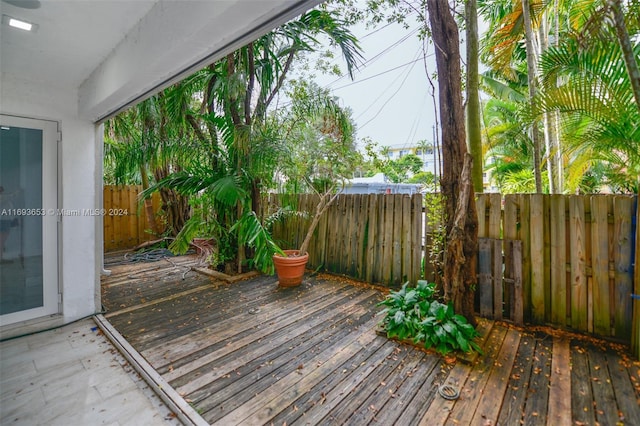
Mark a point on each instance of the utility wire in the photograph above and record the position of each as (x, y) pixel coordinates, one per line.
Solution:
(389, 86)
(377, 56)
(394, 93)
(381, 73)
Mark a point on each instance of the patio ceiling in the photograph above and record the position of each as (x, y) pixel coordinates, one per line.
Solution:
(116, 53)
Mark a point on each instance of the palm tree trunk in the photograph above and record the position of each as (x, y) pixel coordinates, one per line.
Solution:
(549, 136)
(627, 49)
(531, 75)
(474, 131)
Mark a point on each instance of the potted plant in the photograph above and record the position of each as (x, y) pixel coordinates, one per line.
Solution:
(290, 264)
(319, 156)
(268, 256)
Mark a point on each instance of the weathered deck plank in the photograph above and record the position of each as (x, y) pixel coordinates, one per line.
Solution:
(409, 401)
(251, 353)
(488, 409)
(581, 395)
(472, 392)
(260, 408)
(514, 399)
(604, 401)
(535, 412)
(559, 411)
(622, 386)
(346, 381)
(258, 374)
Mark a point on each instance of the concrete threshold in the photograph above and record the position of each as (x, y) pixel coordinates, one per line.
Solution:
(185, 413)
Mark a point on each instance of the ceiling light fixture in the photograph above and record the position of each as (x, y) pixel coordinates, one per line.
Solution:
(19, 23)
(16, 23)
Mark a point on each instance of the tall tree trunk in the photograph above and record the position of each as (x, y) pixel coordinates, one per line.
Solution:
(148, 206)
(474, 129)
(460, 208)
(531, 74)
(630, 59)
(555, 115)
(547, 118)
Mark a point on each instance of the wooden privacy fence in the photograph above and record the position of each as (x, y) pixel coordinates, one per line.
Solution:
(125, 224)
(577, 257)
(373, 237)
(499, 292)
(546, 259)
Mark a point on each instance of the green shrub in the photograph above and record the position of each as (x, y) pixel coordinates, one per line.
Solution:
(413, 313)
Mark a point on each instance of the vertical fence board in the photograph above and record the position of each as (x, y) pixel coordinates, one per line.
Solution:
(578, 264)
(496, 249)
(372, 221)
(380, 253)
(396, 235)
(517, 313)
(547, 257)
(588, 236)
(524, 235)
(510, 232)
(405, 273)
(360, 247)
(321, 244)
(495, 214)
(611, 261)
(132, 222)
(117, 222)
(623, 239)
(481, 206)
(558, 261)
(600, 265)
(418, 240)
(388, 244)
(536, 223)
(349, 207)
(333, 240)
(484, 277)
(338, 248)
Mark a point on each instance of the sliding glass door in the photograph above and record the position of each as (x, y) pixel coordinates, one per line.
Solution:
(28, 219)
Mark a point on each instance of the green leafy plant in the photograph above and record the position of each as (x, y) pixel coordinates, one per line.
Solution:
(413, 313)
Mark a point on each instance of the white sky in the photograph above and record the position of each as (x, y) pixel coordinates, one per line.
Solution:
(391, 101)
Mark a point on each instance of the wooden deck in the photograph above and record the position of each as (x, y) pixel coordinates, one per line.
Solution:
(251, 353)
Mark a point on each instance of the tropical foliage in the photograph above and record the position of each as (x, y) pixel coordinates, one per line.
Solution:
(584, 99)
(414, 313)
(216, 142)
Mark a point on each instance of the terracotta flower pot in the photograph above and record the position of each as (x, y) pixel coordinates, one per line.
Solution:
(290, 269)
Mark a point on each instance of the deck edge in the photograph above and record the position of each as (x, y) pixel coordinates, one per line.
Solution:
(159, 385)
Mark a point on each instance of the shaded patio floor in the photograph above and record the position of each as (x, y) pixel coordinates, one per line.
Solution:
(73, 376)
(252, 353)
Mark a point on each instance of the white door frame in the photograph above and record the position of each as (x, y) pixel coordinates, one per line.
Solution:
(50, 217)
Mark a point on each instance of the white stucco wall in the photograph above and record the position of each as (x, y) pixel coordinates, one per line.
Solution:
(78, 157)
